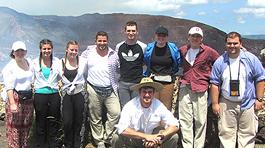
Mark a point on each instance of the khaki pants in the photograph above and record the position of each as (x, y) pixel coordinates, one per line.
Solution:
(119, 141)
(95, 113)
(192, 117)
(165, 96)
(236, 125)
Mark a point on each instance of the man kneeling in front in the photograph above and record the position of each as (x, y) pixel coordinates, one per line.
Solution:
(140, 117)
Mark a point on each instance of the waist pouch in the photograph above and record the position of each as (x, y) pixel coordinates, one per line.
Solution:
(103, 91)
(163, 78)
(160, 78)
(24, 94)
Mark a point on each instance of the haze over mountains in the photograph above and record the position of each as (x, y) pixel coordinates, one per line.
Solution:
(258, 37)
(60, 29)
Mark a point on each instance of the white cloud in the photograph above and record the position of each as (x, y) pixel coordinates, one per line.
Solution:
(79, 7)
(202, 13)
(182, 2)
(180, 14)
(248, 33)
(240, 20)
(152, 5)
(257, 12)
(192, 2)
(222, 21)
(256, 3)
(260, 15)
(160, 5)
(220, 1)
(216, 11)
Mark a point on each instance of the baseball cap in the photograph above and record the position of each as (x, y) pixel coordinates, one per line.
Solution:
(162, 30)
(18, 45)
(195, 30)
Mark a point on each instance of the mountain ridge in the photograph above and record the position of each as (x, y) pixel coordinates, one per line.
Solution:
(256, 37)
(83, 28)
(60, 29)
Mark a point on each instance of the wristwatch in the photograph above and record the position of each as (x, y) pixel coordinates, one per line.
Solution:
(259, 99)
(161, 136)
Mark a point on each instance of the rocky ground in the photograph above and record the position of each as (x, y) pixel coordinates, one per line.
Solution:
(211, 138)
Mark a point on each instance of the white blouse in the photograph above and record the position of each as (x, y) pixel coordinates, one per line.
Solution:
(40, 81)
(16, 78)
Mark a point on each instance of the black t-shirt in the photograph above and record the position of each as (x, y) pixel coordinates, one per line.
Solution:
(161, 61)
(131, 62)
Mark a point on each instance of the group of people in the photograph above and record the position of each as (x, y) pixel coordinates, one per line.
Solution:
(41, 75)
(137, 104)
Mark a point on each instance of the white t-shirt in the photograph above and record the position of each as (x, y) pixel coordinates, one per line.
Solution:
(191, 55)
(98, 71)
(225, 88)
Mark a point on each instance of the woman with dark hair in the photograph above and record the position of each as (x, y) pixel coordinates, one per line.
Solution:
(47, 99)
(18, 75)
(163, 61)
(74, 96)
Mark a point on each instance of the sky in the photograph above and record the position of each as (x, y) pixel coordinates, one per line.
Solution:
(244, 16)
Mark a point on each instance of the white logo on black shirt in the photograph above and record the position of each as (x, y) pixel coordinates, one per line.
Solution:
(130, 56)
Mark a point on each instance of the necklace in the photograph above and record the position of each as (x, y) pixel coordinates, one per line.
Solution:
(146, 118)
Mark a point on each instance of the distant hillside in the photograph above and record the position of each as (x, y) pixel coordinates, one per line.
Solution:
(258, 37)
(60, 29)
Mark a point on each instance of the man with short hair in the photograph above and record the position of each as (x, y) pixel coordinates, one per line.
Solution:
(140, 118)
(198, 60)
(237, 89)
(131, 53)
(103, 64)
